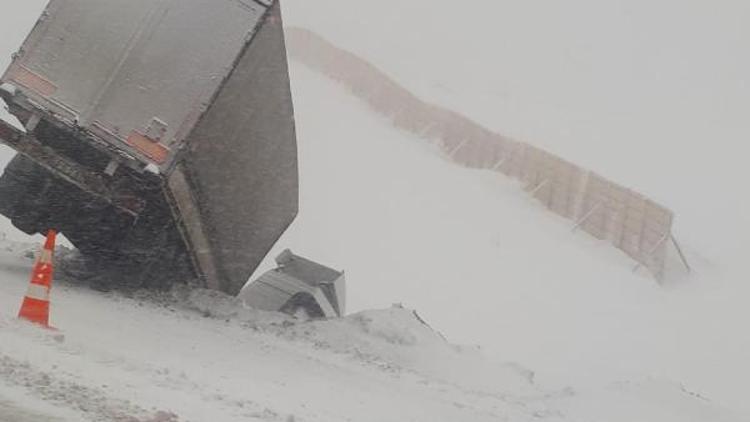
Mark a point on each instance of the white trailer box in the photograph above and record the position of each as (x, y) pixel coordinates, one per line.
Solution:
(173, 112)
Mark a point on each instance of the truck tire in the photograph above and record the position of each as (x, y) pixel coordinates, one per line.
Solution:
(21, 186)
(143, 252)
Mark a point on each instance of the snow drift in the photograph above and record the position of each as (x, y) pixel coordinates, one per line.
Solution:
(142, 357)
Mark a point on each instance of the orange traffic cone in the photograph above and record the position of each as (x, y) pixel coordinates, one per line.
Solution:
(35, 307)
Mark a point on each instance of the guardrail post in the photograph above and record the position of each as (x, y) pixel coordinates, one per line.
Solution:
(651, 252)
(580, 222)
(539, 187)
(682, 255)
(457, 148)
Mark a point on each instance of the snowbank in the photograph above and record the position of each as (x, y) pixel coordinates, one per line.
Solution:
(196, 355)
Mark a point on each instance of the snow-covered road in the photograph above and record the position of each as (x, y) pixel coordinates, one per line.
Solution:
(18, 405)
(199, 356)
(10, 412)
(204, 357)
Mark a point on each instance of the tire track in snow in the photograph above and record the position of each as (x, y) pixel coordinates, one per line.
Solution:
(12, 413)
(93, 403)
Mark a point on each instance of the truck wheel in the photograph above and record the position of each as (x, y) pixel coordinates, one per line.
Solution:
(21, 187)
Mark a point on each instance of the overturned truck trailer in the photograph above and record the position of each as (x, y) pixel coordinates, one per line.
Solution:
(159, 135)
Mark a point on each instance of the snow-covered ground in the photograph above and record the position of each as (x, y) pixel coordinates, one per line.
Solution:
(489, 266)
(651, 94)
(197, 356)
(481, 261)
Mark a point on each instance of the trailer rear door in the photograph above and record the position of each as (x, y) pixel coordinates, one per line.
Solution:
(129, 70)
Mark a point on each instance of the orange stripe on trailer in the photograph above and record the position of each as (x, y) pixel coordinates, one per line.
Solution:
(148, 147)
(33, 81)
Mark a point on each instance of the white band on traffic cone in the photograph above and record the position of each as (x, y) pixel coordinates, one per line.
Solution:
(38, 292)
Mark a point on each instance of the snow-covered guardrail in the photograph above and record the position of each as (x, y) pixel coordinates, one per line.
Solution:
(606, 210)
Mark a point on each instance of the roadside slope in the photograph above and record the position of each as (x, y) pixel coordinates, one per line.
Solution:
(196, 356)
